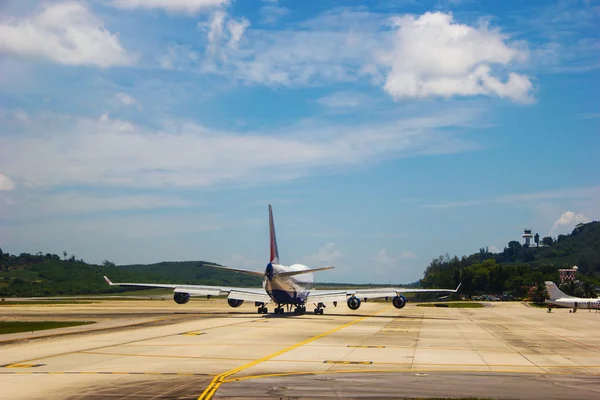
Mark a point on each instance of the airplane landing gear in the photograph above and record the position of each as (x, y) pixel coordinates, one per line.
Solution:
(300, 310)
(278, 310)
(319, 309)
(263, 310)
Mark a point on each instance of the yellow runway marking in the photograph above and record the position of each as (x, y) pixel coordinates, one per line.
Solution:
(218, 380)
(193, 333)
(348, 362)
(99, 373)
(16, 365)
(367, 347)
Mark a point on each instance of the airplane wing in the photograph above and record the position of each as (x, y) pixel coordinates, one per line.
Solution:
(236, 293)
(327, 296)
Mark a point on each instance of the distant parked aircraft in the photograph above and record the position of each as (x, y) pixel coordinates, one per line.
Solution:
(558, 298)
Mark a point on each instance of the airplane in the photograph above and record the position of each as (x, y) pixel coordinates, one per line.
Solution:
(561, 299)
(284, 285)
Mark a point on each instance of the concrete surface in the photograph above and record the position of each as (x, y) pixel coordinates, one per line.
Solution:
(205, 349)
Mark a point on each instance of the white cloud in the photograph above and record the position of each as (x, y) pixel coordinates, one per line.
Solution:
(218, 28)
(272, 12)
(21, 116)
(6, 183)
(425, 56)
(66, 33)
(313, 53)
(326, 256)
(127, 100)
(383, 258)
(187, 6)
(341, 100)
(408, 255)
(236, 30)
(567, 222)
(434, 56)
(589, 115)
(586, 192)
(54, 150)
(241, 261)
(493, 249)
(73, 203)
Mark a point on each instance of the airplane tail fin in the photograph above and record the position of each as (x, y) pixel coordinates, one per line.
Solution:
(274, 251)
(554, 292)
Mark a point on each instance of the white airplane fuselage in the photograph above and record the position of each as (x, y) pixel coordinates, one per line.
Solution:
(288, 290)
(577, 302)
(561, 299)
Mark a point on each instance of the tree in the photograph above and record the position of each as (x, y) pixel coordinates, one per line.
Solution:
(540, 294)
(588, 289)
(64, 254)
(107, 263)
(547, 240)
(536, 238)
(569, 287)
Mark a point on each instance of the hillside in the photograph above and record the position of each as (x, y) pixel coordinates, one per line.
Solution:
(48, 275)
(513, 270)
(517, 267)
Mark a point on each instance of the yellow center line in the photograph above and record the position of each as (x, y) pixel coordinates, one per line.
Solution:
(219, 379)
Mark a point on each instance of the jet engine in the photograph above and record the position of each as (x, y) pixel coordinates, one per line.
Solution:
(181, 298)
(353, 303)
(399, 301)
(234, 302)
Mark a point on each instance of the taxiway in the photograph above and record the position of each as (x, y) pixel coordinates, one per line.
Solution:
(205, 349)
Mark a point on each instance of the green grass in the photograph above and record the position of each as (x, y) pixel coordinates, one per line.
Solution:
(452, 305)
(28, 326)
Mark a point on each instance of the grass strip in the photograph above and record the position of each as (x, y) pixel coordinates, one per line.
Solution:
(28, 326)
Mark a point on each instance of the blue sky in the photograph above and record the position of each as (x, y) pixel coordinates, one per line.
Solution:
(383, 133)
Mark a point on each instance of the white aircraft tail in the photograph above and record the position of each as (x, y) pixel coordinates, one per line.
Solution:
(554, 292)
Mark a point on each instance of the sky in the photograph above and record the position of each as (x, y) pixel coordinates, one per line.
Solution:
(384, 133)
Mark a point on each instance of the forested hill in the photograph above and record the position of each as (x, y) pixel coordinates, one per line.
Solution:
(517, 267)
(49, 275)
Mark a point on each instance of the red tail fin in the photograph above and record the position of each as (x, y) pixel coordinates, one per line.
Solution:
(274, 251)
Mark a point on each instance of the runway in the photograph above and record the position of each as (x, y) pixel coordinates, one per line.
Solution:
(205, 349)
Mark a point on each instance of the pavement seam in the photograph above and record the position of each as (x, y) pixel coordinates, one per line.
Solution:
(126, 343)
(473, 348)
(210, 391)
(414, 356)
(508, 344)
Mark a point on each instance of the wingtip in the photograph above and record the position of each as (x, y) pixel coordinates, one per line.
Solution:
(108, 281)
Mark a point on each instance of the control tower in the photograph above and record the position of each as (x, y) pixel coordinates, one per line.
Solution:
(527, 236)
(567, 274)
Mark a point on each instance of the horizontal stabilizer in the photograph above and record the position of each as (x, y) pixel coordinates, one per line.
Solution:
(306, 271)
(241, 271)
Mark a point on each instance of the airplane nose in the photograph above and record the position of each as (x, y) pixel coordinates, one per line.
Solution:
(269, 271)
